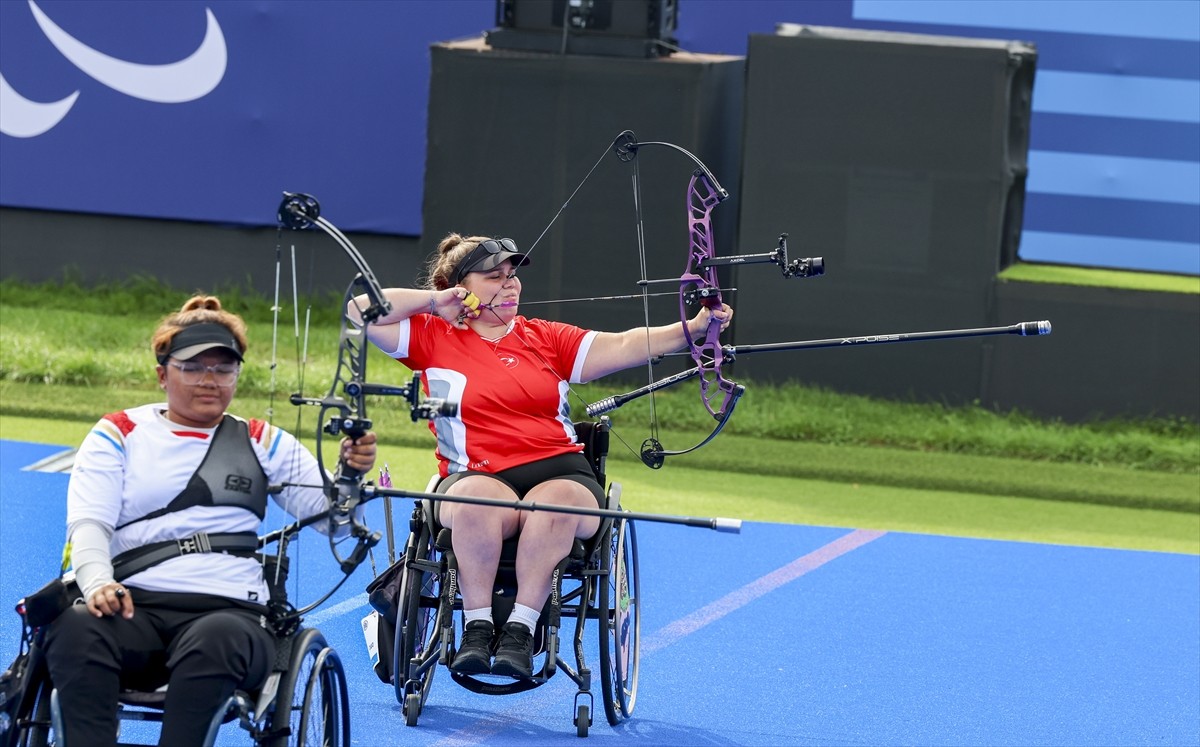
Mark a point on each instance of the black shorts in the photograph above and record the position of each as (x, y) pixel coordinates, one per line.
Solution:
(525, 477)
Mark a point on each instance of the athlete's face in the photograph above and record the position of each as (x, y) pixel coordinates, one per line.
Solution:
(499, 288)
(202, 404)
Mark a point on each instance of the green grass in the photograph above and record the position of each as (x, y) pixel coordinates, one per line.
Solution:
(682, 490)
(61, 349)
(1116, 484)
(1068, 275)
(791, 453)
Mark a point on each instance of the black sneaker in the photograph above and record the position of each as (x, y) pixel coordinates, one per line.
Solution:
(514, 652)
(475, 653)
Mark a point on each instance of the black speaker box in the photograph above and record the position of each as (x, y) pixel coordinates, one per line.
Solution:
(619, 28)
(901, 160)
(513, 134)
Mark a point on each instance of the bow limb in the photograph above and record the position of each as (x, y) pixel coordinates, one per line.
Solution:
(652, 453)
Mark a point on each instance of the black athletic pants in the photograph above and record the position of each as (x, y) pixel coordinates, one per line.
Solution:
(204, 647)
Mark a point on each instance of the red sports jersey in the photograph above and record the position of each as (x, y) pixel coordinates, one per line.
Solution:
(519, 383)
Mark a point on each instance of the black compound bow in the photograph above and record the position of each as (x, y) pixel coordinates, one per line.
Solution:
(343, 409)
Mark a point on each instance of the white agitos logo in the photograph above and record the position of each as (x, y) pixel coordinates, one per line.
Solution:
(173, 83)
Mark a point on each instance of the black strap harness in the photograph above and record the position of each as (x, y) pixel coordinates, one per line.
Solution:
(130, 562)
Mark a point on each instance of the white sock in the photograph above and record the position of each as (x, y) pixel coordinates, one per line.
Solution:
(470, 616)
(527, 616)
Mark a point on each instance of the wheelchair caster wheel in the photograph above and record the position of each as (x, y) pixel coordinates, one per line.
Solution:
(412, 708)
(582, 721)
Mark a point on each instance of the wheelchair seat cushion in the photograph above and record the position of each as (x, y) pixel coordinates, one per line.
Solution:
(144, 698)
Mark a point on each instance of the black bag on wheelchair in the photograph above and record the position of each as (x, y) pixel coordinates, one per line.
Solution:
(16, 680)
(43, 606)
(383, 593)
(12, 690)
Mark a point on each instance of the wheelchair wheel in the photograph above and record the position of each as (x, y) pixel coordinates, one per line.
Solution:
(416, 626)
(583, 720)
(312, 701)
(620, 623)
(34, 723)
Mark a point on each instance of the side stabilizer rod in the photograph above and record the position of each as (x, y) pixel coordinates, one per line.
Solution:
(369, 492)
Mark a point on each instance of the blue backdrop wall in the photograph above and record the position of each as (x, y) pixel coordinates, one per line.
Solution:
(205, 111)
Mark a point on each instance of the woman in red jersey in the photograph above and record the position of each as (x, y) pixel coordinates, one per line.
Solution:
(513, 437)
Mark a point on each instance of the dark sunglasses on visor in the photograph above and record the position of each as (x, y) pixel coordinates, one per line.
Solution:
(481, 253)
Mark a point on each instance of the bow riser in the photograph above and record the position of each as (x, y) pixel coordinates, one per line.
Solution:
(702, 197)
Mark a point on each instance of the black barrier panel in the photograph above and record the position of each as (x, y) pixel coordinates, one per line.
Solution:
(1115, 353)
(511, 135)
(46, 246)
(901, 160)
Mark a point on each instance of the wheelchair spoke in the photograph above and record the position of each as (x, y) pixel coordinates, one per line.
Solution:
(312, 707)
(417, 634)
(620, 624)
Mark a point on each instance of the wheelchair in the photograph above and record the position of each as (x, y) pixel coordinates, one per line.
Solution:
(303, 702)
(598, 581)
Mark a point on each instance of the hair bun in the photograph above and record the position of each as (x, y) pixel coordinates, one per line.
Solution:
(212, 303)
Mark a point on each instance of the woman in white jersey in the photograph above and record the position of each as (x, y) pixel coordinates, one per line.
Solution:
(168, 498)
(512, 438)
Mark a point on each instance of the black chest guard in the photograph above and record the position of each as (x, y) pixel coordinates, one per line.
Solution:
(230, 475)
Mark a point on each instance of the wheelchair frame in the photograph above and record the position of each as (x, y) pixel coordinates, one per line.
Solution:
(603, 585)
(315, 711)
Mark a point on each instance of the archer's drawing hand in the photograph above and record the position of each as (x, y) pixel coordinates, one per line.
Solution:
(455, 305)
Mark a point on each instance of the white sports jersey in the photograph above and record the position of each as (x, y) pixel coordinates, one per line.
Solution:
(135, 461)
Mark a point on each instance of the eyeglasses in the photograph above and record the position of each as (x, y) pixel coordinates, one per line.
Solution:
(484, 249)
(192, 373)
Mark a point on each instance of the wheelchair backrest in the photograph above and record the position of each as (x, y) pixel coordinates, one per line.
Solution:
(593, 434)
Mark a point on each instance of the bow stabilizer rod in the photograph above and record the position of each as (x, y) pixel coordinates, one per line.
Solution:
(717, 524)
(1023, 329)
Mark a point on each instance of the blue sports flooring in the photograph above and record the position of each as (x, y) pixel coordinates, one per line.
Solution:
(789, 635)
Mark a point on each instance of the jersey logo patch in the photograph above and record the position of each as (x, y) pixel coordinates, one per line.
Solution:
(509, 361)
(238, 483)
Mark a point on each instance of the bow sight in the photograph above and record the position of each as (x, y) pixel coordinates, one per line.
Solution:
(809, 267)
